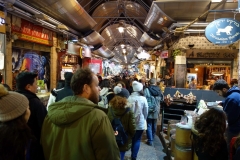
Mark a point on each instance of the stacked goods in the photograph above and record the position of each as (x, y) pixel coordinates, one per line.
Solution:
(189, 98)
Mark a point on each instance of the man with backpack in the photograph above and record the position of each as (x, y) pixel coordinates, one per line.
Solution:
(153, 95)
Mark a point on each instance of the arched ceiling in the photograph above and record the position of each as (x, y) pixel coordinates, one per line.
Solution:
(148, 23)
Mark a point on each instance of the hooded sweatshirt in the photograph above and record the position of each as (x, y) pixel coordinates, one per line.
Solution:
(76, 128)
(155, 90)
(231, 106)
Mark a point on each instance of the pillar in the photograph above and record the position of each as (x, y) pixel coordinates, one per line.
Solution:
(54, 64)
(180, 71)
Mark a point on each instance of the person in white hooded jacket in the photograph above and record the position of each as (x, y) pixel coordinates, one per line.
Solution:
(140, 110)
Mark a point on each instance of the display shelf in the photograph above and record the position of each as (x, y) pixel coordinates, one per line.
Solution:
(175, 110)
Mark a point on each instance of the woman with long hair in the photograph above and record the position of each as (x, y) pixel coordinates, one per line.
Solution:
(15, 135)
(208, 135)
(118, 108)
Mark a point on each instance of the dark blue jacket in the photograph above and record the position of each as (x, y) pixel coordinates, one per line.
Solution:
(231, 106)
(66, 91)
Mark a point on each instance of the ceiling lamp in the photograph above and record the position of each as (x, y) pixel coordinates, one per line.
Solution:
(121, 26)
(143, 55)
(122, 45)
(217, 73)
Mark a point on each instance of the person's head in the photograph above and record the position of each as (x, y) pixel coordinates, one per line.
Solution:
(143, 79)
(13, 105)
(234, 82)
(167, 76)
(137, 87)
(152, 81)
(68, 76)
(14, 114)
(105, 83)
(121, 84)
(121, 92)
(27, 81)
(99, 78)
(192, 79)
(211, 125)
(84, 83)
(221, 87)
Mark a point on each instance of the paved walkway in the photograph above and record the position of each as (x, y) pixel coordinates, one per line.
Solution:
(147, 152)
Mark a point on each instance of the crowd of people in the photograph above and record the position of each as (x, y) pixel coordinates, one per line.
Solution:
(78, 120)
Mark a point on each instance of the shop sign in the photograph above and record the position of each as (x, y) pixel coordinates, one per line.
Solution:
(211, 53)
(223, 31)
(28, 31)
(94, 64)
(164, 54)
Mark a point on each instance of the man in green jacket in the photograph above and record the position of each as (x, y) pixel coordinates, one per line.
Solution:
(76, 128)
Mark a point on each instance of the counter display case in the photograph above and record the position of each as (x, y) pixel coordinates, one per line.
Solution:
(176, 110)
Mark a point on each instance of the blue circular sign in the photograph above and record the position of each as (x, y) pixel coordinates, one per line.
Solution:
(223, 31)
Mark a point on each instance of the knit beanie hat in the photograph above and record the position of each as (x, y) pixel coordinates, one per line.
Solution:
(152, 81)
(121, 91)
(68, 76)
(12, 104)
(137, 86)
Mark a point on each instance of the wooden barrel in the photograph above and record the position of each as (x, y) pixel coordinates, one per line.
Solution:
(183, 136)
(182, 153)
(173, 145)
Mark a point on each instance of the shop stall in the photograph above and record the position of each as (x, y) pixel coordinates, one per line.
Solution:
(179, 111)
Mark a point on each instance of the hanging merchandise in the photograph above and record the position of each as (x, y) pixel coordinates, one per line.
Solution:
(1, 60)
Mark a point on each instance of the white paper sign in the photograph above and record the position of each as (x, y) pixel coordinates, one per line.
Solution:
(1, 61)
(180, 60)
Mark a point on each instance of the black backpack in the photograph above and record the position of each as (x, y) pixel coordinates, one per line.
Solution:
(122, 135)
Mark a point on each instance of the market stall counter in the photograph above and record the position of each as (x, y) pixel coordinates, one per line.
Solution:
(181, 102)
(178, 104)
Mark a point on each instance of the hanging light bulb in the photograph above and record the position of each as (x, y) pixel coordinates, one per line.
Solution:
(122, 45)
(124, 51)
(121, 26)
(120, 29)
